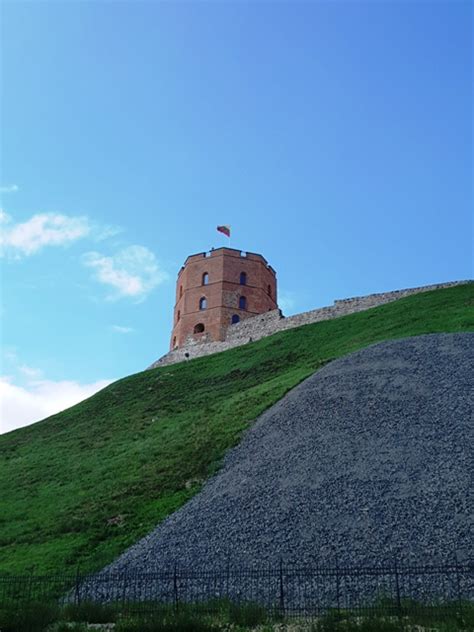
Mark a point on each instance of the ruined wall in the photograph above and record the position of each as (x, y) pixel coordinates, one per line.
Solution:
(271, 322)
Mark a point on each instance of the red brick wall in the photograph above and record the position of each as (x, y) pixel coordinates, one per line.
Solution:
(222, 293)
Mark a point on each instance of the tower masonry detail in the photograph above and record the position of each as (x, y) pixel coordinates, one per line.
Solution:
(218, 289)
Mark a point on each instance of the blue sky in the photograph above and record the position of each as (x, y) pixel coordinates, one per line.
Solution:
(335, 138)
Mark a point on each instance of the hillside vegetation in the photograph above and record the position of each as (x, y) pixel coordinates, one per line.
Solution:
(81, 486)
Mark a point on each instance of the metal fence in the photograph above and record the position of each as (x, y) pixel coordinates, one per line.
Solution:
(283, 590)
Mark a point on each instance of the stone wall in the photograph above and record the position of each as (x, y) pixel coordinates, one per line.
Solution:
(271, 322)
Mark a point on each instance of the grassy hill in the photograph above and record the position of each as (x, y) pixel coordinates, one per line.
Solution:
(82, 485)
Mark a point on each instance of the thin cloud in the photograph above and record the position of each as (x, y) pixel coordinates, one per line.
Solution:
(286, 301)
(133, 272)
(30, 372)
(120, 329)
(101, 233)
(23, 405)
(10, 355)
(43, 229)
(9, 188)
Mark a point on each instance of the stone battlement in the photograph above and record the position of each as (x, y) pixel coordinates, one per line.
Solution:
(227, 252)
(272, 322)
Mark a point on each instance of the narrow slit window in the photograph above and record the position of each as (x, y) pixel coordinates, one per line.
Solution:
(242, 302)
(205, 278)
(243, 278)
(203, 303)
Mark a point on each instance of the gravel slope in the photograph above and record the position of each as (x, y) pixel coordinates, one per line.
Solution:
(369, 459)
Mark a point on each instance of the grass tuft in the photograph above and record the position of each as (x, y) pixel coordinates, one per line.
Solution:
(27, 616)
(89, 612)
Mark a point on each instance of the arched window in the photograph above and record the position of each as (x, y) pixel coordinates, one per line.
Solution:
(269, 290)
(179, 315)
(243, 278)
(242, 302)
(199, 328)
(203, 303)
(205, 278)
(180, 291)
(235, 319)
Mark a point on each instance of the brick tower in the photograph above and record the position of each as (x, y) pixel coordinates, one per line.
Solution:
(218, 289)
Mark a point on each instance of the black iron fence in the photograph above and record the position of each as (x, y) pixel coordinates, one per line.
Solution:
(283, 590)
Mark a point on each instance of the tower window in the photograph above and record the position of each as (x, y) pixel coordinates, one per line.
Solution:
(205, 278)
(203, 303)
(243, 278)
(180, 291)
(242, 302)
(174, 342)
(269, 290)
(199, 328)
(178, 316)
(235, 319)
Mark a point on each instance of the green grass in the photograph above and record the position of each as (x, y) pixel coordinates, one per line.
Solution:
(223, 615)
(81, 486)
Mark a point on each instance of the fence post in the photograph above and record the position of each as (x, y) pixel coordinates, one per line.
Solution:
(397, 588)
(458, 583)
(30, 583)
(77, 595)
(175, 587)
(124, 588)
(282, 592)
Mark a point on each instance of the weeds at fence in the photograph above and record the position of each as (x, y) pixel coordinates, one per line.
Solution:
(89, 612)
(374, 624)
(64, 626)
(224, 615)
(247, 614)
(25, 616)
(369, 599)
(181, 622)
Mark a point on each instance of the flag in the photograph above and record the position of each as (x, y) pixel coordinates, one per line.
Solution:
(224, 229)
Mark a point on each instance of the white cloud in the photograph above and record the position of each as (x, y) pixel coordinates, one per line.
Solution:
(122, 330)
(9, 188)
(22, 405)
(43, 229)
(133, 272)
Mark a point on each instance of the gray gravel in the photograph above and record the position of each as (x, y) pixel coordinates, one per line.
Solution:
(370, 459)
